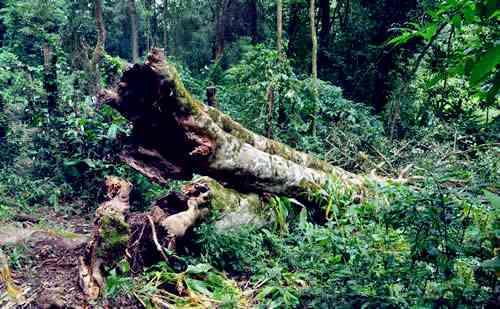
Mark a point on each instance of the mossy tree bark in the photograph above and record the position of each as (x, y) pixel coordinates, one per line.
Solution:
(95, 76)
(142, 238)
(134, 30)
(314, 62)
(175, 136)
(50, 78)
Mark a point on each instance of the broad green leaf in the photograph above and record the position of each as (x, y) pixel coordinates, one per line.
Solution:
(112, 131)
(492, 198)
(198, 269)
(487, 62)
(429, 32)
(198, 286)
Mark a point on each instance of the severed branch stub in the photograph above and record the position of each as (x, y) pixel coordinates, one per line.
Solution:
(147, 238)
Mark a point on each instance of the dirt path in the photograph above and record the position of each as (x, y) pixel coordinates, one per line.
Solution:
(43, 260)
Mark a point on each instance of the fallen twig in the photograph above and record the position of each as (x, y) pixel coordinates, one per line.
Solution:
(155, 238)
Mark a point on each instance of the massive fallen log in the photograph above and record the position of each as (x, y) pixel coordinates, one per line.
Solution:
(175, 136)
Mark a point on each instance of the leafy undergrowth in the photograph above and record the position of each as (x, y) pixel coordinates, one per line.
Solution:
(161, 286)
(427, 244)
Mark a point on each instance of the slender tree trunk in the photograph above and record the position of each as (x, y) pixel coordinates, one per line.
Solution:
(347, 13)
(270, 111)
(134, 32)
(2, 26)
(149, 26)
(99, 48)
(279, 26)
(324, 34)
(50, 78)
(253, 15)
(314, 63)
(3, 122)
(165, 25)
(155, 41)
(220, 30)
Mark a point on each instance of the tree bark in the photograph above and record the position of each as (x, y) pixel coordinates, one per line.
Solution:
(142, 238)
(4, 123)
(279, 26)
(253, 16)
(165, 25)
(100, 46)
(208, 142)
(324, 34)
(244, 167)
(220, 29)
(211, 92)
(314, 63)
(270, 111)
(324, 15)
(149, 25)
(134, 32)
(50, 78)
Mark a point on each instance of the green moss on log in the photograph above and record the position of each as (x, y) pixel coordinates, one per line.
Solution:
(114, 233)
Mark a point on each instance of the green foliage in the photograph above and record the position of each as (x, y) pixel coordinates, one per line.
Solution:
(339, 121)
(468, 33)
(431, 244)
(118, 282)
(160, 286)
(403, 246)
(30, 24)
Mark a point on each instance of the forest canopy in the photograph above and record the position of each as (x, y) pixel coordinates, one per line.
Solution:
(249, 153)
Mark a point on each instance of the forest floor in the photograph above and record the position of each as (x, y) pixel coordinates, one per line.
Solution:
(44, 250)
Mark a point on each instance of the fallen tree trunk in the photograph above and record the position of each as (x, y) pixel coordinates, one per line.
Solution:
(175, 136)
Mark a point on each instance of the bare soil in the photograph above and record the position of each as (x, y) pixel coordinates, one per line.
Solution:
(43, 251)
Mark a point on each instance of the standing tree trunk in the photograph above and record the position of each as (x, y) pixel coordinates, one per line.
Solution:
(279, 26)
(324, 34)
(270, 111)
(279, 46)
(99, 48)
(314, 63)
(165, 25)
(220, 29)
(50, 79)
(149, 26)
(3, 122)
(253, 15)
(134, 32)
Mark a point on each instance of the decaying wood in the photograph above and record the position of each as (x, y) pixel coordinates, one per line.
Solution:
(145, 238)
(109, 239)
(191, 137)
(172, 216)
